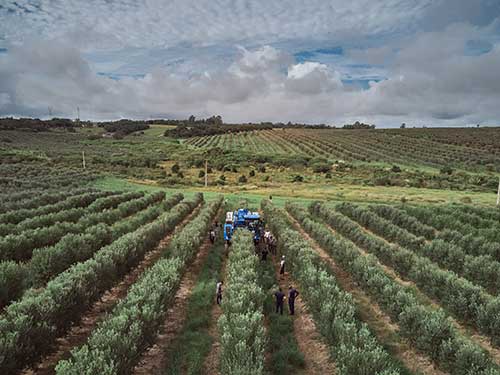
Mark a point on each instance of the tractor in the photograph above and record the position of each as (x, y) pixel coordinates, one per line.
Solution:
(243, 218)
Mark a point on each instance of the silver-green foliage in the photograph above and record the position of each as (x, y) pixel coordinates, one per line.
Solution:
(30, 326)
(428, 329)
(241, 324)
(456, 290)
(355, 348)
(115, 346)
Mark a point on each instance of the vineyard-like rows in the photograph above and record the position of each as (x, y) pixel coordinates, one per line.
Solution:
(30, 326)
(118, 341)
(47, 262)
(423, 262)
(432, 273)
(394, 146)
(355, 349)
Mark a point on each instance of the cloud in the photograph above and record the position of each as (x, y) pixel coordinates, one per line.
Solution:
(252, 61)
(311, 78)
(156, 23)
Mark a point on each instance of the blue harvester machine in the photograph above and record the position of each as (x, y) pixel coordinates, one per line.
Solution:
(242, 218)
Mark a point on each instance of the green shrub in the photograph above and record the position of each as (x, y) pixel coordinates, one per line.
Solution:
(243, 339)
(356, 350)
(125, 333)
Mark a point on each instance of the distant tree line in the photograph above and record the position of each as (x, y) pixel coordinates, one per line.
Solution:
(358, 125)
(36, 125)
(189, 127)
(214, 125)
(124, 127)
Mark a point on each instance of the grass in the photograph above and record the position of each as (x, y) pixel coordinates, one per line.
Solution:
(305, 193)
(190, 348)
(284, 354)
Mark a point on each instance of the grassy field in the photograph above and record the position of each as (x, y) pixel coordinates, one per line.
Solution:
(307, 192)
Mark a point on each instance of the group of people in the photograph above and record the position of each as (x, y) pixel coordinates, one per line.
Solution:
(281, 297)
(270, 242)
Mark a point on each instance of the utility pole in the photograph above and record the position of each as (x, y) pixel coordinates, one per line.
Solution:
(498, 193)
(83, 159)
(206, 174)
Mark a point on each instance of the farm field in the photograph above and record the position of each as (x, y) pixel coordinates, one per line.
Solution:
(463, 148)
(109, 269)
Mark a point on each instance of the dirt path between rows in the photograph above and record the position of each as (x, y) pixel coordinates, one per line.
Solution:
(212, 361)
(371, 313)
(467, 331)
(153, 359)
(317, 357)
(79, 334)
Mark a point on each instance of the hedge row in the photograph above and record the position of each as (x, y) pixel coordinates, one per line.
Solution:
(447, 251)
(428, 329)
(19, 247)
(402, 219)
(477, 241)
(241, 326)
(48, 262)
(465, 300)
(484, 212)
(117, 343)
(30, 199)
(73, 201)
(82, 205)
(28, 328)
(381, 226)
(355, 349)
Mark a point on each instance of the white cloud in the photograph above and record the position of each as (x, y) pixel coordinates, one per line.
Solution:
(311, 78)
(185, 60)
(158, 23)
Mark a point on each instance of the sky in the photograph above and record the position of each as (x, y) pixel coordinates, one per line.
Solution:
(421, 62)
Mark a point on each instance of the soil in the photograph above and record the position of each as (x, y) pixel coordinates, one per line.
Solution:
(79, 333)
(467, 331)
(211, 365)
(316, 354)
(371, 313)
(153, 359)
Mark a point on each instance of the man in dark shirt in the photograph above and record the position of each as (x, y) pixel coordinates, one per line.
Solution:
(292, 294)
(280, 297)
(264, 253)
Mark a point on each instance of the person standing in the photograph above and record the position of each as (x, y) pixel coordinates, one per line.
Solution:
(280, 298)
(282, 266)
(219, 292)
(212, 236)
(292, 294)
(272, 244)
(264, 253)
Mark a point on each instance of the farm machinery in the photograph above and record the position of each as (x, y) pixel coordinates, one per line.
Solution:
(243, 218)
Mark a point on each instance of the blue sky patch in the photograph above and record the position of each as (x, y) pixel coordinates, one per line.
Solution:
(313, 55)
(477, 47)
(362, 83)
(117, 76)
